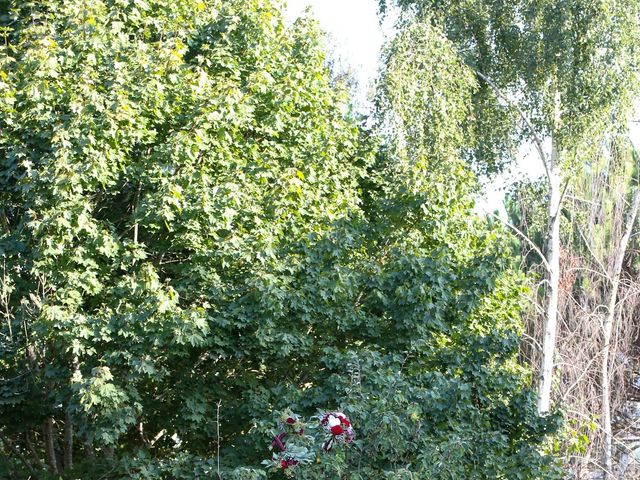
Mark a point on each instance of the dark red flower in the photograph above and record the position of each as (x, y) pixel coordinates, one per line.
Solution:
(291, 420)
(337, 430)
(301, 432)
(284, 464)
(325, 420)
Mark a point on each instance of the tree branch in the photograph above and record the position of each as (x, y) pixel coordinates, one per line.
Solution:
(525, 238)
(536, 137)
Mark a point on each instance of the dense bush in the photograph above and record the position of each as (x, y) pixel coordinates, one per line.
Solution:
(198, 233)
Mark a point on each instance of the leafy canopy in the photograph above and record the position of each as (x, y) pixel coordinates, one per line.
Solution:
(581, 55)
(193, 219)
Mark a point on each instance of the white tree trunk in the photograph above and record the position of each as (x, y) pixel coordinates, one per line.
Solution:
(553, 261)
(608, 329)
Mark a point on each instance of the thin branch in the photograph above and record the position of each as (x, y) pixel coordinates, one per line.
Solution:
(588, 245)
(590, 270)
(580, 377)
(218, 438)
(158, 436)
(17, 453)
(533, 341)
(562, 196)
(32, 450)
(536, 138)
(525, 238)
(583, 200)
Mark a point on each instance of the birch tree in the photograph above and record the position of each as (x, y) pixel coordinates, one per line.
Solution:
(596, 212)
(608, 330)
(566, 70)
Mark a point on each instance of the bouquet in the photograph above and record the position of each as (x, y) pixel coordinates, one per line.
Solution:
(297, 443)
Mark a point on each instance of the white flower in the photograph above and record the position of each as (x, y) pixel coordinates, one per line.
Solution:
(333, 421)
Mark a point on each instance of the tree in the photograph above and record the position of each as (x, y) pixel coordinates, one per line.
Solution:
(597, 301)
(608, 324)
(198, 232)
(569, 68)
(164, 167)
(424, 103)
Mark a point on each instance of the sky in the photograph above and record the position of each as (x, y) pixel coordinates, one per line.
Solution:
(355, 38)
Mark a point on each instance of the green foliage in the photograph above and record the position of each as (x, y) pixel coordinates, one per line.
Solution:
(581, 54)
(197, 233)
(526, 206)
(424, 96)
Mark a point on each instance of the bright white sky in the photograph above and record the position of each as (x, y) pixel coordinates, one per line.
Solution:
(356, 37)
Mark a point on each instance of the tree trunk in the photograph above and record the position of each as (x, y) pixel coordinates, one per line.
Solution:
(49, 446)
(554, 173)
(67, 448)
(553, 261)
(68, 442)
(87, 448)
(608, 329)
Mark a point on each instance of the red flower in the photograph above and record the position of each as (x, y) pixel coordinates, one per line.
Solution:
(337, 430)
(291, 420)
(325, 420)
(344, 421)
(289, 462)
